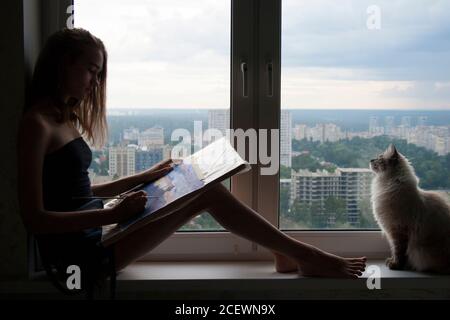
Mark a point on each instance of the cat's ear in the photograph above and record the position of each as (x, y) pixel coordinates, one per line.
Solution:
(392, 152)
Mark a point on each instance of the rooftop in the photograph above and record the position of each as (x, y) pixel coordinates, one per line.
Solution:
(325, 173)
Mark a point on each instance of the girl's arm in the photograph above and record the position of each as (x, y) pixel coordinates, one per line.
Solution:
(119, 186)
(116, 187)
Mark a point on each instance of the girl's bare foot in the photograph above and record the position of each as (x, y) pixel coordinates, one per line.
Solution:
(284, 264)
(330, 265)
(317, 263)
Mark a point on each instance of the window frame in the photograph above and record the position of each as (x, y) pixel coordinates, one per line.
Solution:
(256, 40)
(254, 189)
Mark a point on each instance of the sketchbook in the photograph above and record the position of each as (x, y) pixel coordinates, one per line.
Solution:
(189, 178)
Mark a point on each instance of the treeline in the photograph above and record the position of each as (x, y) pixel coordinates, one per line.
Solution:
(433, 170)
(329, 214)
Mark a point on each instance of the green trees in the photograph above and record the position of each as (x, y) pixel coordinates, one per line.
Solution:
(303, 212)
(284, 199)
(366, 218)
(202, 222)
(335, 211)
(100, 163)
(305, 161)
(285, 172)
(332, 213)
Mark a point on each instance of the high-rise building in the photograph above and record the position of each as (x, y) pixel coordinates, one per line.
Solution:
(375, 128)
(145, 158)
(286, 138)
(349, 184)
(219, 119)
(300, 131)
(151, 137)
(332, 132)
(131, 134)
(439, 144)
(324, 132)
(447, 148)
(356, 184)
(389, 124)
(406, 121)
(122, 161)
(316, 133)
(373, 124)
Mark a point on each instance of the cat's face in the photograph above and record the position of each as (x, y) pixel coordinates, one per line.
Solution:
(386, 161)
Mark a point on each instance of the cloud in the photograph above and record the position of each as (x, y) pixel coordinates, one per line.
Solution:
(157, 30)
(176, 53)
(422, 91)
(169, 53)
(412, 44)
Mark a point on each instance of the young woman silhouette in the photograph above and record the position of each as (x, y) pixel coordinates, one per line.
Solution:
(65, 105)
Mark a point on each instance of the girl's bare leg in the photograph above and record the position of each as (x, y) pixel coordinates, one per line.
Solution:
(138, 243)
(238, 218)
(284, 264)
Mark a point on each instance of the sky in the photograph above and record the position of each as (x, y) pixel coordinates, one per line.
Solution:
(346, 54)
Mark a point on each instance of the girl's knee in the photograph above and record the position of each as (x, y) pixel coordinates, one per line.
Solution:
(218, 191)
(214, 194)
(221, 188)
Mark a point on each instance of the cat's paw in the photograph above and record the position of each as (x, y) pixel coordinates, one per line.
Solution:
(394, 264)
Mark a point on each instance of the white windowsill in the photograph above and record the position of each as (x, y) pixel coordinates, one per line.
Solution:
(252, 280)
(258, 280)
(236, 270)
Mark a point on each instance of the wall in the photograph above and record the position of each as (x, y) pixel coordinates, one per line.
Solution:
(12, 85)
(24, 25)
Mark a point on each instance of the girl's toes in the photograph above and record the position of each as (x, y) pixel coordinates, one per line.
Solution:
(358, 266)
(355, 273)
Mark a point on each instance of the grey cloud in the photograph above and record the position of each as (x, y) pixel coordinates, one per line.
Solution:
(424, 90)
(413, 43)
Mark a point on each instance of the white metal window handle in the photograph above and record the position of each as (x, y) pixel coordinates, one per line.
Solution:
(270, 79)
(244, 69)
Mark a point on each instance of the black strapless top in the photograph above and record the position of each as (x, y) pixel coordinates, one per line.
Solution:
(65, 176)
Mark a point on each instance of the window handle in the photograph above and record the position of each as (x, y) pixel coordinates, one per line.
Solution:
(244, 72)
(270, 79)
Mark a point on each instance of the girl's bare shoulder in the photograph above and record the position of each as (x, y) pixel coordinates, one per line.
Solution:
(42, 114)
(35, 122)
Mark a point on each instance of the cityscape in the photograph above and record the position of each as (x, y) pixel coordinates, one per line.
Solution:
(316, 191)
(435, 138)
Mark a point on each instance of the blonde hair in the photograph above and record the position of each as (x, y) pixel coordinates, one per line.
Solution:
(90, 114)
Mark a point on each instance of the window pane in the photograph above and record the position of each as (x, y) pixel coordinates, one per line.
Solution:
(168, 66)
(355, 78)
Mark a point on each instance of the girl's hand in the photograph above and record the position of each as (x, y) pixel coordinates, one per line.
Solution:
(162, 164)
(130, 206)
(158, 170)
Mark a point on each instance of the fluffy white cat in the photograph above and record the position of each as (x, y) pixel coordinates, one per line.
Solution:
(415, 222)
